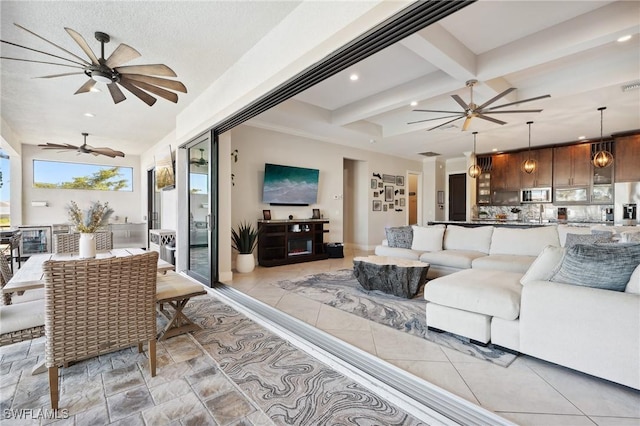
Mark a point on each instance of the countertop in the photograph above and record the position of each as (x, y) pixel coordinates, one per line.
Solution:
(518, 223)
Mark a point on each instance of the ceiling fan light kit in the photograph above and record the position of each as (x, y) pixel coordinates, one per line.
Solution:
(529, 165)
(474, 171)
(602, 158)
(140, 80)
(84, 148)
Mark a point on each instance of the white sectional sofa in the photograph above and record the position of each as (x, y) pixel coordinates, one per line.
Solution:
(494, 285)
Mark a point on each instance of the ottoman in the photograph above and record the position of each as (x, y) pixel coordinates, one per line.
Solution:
(464, 302)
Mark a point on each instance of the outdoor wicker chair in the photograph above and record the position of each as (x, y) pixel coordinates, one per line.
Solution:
(5, 275)
(97, 306)
(70, 243)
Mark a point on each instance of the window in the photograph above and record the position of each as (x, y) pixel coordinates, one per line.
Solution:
(198, 183)
(60, 175)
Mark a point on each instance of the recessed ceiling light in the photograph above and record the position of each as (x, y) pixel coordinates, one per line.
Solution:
(624, 38)
(495, 150)
(88, 114)
(353, 77)
(581, 137)
(414, 103)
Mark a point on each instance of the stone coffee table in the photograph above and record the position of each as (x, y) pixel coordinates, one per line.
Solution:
(400, 277)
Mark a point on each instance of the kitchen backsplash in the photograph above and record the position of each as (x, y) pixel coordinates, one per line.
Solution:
(549, 212)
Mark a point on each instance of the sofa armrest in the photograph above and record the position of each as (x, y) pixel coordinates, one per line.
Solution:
(592, 330)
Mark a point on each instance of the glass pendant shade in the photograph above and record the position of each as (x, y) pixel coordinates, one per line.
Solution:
(529, 165)
(475, 170)
(603, 158)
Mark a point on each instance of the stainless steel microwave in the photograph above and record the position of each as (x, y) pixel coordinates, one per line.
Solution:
(536, 195)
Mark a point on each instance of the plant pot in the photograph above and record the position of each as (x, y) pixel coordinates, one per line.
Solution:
(87, 246)
(245, 263)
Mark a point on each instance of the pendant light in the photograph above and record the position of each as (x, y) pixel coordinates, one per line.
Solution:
(603, 158)
(529, 165)
(474, 171)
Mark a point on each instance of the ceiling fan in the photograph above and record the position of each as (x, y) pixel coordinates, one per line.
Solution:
(472, 110)
(199, 161)
(84, 148)
(137, 79)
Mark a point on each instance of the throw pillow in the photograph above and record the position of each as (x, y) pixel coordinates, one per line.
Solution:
(634, 282)
(428, 238)
(400, 236)
(605, 266)
(573, 239)
(545, 265)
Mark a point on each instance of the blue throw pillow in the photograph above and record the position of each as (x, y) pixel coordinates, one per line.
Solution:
(400, 236)
(605, 266)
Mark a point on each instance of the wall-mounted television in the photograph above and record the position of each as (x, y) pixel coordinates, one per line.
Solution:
(289, 186)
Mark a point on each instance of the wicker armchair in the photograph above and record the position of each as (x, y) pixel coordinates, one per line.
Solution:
(70, 243)
(7, 299)
(98, 306)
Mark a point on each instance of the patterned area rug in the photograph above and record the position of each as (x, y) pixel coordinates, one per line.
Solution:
(290, 386)
(341, 290)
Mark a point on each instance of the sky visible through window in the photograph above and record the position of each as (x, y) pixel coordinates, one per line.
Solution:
(54, 172)
(4, 167)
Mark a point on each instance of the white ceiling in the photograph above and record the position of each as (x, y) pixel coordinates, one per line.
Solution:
(566, 49)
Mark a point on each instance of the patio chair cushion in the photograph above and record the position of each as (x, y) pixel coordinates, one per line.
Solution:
(21, 316)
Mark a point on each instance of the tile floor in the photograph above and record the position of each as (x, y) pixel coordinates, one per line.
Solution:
(528, 392)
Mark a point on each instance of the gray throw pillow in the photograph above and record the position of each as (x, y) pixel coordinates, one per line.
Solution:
(605, 266)
(573, 239)
(400, 236)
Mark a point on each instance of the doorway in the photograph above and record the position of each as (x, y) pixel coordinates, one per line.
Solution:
(202, 257)
(153, 202)
(458, 197)
(414, 189)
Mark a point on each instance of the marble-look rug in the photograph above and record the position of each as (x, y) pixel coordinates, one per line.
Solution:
(341, 290)
(290, 386)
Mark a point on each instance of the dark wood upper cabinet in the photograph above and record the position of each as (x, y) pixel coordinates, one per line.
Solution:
(627, 159)
(543, 175)
(505, 172)
(572, 165)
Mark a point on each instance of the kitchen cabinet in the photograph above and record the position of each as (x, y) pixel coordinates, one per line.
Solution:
(542, 177)
(572, 165)
(505, 172)
(627, 158)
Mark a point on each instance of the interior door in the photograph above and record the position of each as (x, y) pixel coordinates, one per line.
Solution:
(458, 197)
(202, 203)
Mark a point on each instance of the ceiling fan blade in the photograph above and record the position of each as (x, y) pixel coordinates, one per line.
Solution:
(107, 151)
(60, 75)
(498, 96)
(493, 120)
(518, 102)
(144, 96)
(157, 81)
(116, 93)
(466, 124)
(444, 124)
(86, 86)
(170, 96)
(153, 69)
(510, 111)
(44, 53)
(460, 102)
(439, 118)
(84, 61)
(83, 45)
(123, 54)
(440, 111)
(40, 62)
(49, 145)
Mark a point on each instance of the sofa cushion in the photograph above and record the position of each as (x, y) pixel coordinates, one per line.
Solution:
(605, 266)
(470, 239)
(460, 259)
(427, 238)
(525, 242)
(563, 230)
(633, 286)
(598, 237)
(494, 293)
(397, 252)
(545, 265)
(400, 236)
(504, 262)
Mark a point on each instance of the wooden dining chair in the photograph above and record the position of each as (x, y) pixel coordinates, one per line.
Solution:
(70, 243)
(97, 306)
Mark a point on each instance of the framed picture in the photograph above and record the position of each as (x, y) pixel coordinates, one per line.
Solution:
(380, 185)
(374, 183)
(402, 191)
(402, 202)
(266, 214)
(377, 205)
(440, 197)
(384, 208)
(397, 202)
(400, 180)
(388, 179)
(375, 194)
(390, 206)
(388, 193)
(316, 214)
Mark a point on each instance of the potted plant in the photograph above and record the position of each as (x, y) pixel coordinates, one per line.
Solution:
(244, 240)
(96, 216)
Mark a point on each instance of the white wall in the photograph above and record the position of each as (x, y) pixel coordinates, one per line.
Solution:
(124, 204)
(258, 146)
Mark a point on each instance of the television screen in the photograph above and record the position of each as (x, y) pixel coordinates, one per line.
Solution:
(287, 185)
